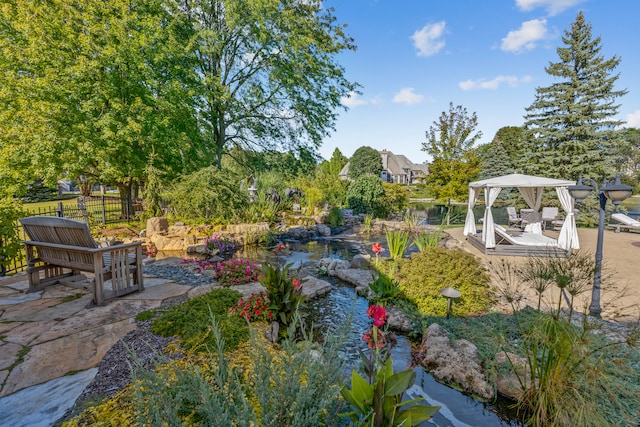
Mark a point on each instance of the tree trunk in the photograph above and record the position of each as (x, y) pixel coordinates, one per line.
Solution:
(126, 202)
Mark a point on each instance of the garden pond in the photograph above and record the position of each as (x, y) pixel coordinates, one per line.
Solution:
(343, 305)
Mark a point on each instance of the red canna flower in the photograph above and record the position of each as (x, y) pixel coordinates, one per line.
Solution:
(377, 248)
(296, 284)
(378, 314)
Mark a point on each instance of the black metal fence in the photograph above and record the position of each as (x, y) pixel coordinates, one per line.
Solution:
(95, 211)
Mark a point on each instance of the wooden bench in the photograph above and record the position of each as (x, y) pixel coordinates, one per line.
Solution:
(58, 245)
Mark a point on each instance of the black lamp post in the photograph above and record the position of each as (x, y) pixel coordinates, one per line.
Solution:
(616, 192)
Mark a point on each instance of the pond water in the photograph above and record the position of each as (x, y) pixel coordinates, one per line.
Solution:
(342, 305)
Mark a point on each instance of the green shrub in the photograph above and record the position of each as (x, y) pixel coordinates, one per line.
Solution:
(208, 195)
(191, 320)
(145, 315)
(366, 195)
(295, 384)
(335, 217)
(10, 245)
(425, 273)
(396, 196)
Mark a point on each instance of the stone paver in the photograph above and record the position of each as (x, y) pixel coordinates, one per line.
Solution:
(57, 331)
(8, 353)
(55, 358)
(15, 413)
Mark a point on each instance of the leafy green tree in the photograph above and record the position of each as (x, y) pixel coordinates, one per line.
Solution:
(450, 141)
(92, 89)
(366, 195)
(571, 125)
(365, 161)
(266, 72)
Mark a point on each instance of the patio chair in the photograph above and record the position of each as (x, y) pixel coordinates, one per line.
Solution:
(549, 216)
(514, 218)
(625, 222)
(62, 248)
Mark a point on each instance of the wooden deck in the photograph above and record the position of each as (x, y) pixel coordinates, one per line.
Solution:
(506, 249)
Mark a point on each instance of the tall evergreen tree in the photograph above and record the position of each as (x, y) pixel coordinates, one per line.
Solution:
(571, 125)
(494, 160)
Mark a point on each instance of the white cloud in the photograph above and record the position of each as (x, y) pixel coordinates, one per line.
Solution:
(352, 100)
(429, 40)
(406, 95)
(633, 120)
(511, 81)
(553, 7)
(526, 37)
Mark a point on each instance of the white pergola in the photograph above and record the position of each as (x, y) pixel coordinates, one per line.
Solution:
(531, 188)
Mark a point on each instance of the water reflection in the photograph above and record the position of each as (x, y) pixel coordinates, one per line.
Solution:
(342, 305)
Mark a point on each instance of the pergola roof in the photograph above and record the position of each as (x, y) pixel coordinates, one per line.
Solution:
(519, 180)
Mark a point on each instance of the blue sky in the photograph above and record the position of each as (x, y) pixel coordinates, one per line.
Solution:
(414, 57)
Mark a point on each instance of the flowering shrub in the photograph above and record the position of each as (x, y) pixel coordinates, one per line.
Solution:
(149, 250)
(236, 272)
(217, 244)
(255, 307)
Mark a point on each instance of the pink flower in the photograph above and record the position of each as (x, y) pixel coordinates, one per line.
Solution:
(296, 284)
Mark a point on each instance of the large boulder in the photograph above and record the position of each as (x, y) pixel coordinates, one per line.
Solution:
(330, 265)
(157, 225)
(397, 320)
(361, 261)
(454, 361)
(357, 277)
(323, 230)
(166, 244)
(313, 287)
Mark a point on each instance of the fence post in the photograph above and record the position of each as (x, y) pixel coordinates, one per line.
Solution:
(59, 210)
(104, 215)
(82, 206)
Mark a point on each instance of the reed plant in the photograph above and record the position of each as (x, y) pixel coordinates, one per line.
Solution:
(398, 242)
(426, 239)
(367, 224)
(563, 360)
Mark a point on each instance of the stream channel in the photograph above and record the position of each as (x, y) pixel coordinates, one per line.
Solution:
(342, 302)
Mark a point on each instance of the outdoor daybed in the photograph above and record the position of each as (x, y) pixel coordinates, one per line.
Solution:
(624, 222)
(531, 189)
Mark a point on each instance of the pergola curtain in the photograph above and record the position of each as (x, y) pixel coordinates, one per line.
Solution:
(488, 237)
(470, 221)
(568, 237)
